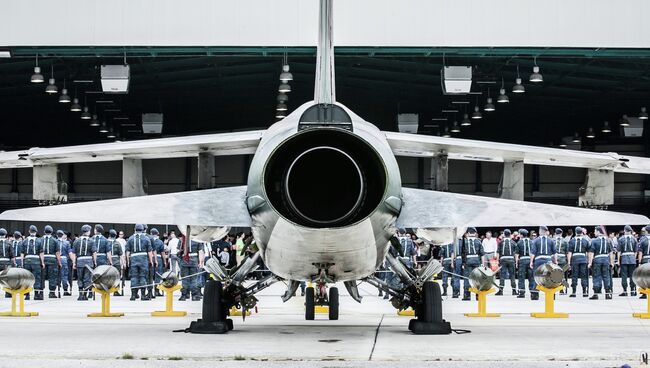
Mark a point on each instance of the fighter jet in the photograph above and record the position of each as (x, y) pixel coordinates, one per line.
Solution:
(323, 199)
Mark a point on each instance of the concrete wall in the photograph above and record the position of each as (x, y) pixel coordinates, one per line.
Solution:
(505, 23)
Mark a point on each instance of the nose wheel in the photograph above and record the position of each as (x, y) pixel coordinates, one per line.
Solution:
(320, 297)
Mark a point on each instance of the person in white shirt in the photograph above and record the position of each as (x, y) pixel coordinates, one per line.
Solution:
(489, 247)
(173, 246)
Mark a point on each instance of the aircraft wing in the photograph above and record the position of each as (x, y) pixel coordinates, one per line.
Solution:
(189, 146)
(209, 207)
(405, 144)
(432, 209)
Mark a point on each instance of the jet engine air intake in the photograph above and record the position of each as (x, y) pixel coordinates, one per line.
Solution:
(325, 177)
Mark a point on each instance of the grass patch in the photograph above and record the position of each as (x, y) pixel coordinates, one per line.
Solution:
(239, 357)
(127, 356)
(175, 358)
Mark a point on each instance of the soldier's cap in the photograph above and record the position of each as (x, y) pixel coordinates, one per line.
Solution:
(628, 228)
(578, 230)
(139, 227)
(48, 229)
(32, 228)
(154, 231)
(3, 232)
(507, 232)
(647, 228)
(86, 228)
(145, 226)
(523, 232)
(17, 234)
(558, 230)
(543, 227)
(60, 233)
(599, 229)
(99, 228)
(401, 230)
(471, 230)
(112, 232)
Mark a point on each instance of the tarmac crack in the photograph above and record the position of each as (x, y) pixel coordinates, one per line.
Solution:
(374, 343)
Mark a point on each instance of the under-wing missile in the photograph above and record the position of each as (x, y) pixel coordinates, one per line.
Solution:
(16, 278)
(641, 276)
(105, 277)
(482, 278)
(550, 275)
(169, 279)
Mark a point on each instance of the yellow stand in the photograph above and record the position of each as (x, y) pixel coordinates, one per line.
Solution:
(20, 295)
(482, 303)
(106, 304)
(549, 312)
(322, 309)
(169, 303)
(644, 315)
(406, 312)
(237, 312)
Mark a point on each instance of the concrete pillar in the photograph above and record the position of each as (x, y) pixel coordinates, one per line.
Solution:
(132, 178)
(206, 171)
(46, 184)
(440, 173)
(512, 181)
(598, 189)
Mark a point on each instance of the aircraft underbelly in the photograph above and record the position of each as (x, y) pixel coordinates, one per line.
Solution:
(351, 253)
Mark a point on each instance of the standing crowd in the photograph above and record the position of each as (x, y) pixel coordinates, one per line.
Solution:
(58, 258)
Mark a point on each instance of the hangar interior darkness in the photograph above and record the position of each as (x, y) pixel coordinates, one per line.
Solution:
(218, 89)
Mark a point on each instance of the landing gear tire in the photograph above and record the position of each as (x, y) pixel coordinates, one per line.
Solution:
(214, 319)
(310, 304)
(334, 304)
(429, 313)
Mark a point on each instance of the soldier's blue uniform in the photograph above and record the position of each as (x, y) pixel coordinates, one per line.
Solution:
(17, 247)
(523, 265)
(32, 253)
(84, 249)
(116, 256)
(138, 248)
(6, 251)
(472, 254)
(601, 248)
(506, 250)
(158, 249)
(51, 254)
(578, 247)
(447, 260)
(542, 251)
(65, 248)
(104, 248)
(190, 266)
(561, 250)
(643, 251)
(458, 268)
(627, 247)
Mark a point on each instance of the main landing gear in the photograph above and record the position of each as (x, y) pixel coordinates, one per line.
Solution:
(319, 297)
(415, 289)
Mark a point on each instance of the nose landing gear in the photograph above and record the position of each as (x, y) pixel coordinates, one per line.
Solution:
(319, 297)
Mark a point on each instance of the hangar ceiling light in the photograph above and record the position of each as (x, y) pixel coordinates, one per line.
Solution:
(455, 128)
(51, 87)
(286, 75)
(625, 121)
(64, 98)
(590, 133)
(110, 134)
(103, 128)
(503, 98)
(37, 77)
(466, 121)
(536, 77)
(489, 106)
(643, 115)
(85, 115)
(476, 114)
(75, 107)
(280, 114)
(576, 138)
(446, 132)
(281, 107)
(284, 88)
(606, 128)
(518, 87)
(94, 122)
(282, 97)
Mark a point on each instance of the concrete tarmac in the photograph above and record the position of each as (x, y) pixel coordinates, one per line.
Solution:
(599, 333)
